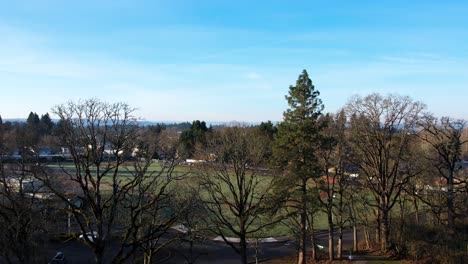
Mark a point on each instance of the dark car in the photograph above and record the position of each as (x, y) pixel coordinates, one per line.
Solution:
(59, 259)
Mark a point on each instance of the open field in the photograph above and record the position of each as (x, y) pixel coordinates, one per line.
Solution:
(189, 177)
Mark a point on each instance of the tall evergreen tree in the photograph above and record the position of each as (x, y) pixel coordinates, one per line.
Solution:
(46, 124)
(192, 137)
(296, 146)
(33, 118)
(268, 129)
(29, 135)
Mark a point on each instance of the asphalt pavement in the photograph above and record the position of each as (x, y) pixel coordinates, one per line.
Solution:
(207, 252)
(213, 252)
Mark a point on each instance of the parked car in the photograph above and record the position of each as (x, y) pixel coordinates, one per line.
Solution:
(90, 235)
(59, 258)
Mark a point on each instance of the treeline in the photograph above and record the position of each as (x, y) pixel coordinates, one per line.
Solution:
(382, 166)
(43, 132)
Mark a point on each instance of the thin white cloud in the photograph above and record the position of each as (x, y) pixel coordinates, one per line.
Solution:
(253, 76)
(160, 91)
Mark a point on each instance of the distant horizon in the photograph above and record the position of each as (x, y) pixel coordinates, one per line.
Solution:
(166, 122)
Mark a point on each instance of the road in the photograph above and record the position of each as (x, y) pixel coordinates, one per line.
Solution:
(208, 252)
(212, 252)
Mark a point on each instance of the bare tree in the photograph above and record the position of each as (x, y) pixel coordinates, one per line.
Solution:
(113, 185)
(193, 222)
(340, 173)
(148, 210)
(233, 191)
(444, 137)
(360, 213)
(326, 183)
(22, 207)
(382, 128)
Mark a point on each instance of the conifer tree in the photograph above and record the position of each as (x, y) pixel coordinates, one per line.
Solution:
(296, 146)
(46, 124)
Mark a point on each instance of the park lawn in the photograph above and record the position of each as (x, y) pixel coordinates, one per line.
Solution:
(192, 179)
(284, 228)
(125, 170)
(280, 229)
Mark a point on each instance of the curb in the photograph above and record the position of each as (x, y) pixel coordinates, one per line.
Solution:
(253, 240)
(169, 255)
(183, 229)
(262, 260)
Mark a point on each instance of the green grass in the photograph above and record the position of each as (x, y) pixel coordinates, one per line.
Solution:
(125, 171)
(192, 179)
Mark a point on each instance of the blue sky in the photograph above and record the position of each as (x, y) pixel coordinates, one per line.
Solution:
(230, 60)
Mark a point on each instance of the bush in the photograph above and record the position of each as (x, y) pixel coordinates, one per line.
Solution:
(431, 244)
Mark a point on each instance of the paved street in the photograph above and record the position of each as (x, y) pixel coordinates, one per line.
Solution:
(208, 252)
(212, 252)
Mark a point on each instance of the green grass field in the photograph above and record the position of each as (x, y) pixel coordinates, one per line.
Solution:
(191, 179)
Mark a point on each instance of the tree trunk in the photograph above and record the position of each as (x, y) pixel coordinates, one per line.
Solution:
(314, 247)
(243, 249)
(191, 250)
(378, 228)
(331, 250)
(340, 243)
(303, 236)
(402, 223)
(416, 208)
(257, 251)
(98, 253)
(355, 238)
(367, 238)
(450, 213)
(302, 241)
(385, 231)
(98, 258)
(341, 223)
(148, 257)
(22, 259)
(312, 239)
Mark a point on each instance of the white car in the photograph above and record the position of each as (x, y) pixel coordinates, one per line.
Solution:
(90, 235)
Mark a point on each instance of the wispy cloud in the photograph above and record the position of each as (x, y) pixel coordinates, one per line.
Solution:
(178, 91)
(253, 76)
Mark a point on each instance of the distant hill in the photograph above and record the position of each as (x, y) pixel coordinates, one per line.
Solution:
(212, 123)
(168, 123)
(19, 120)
